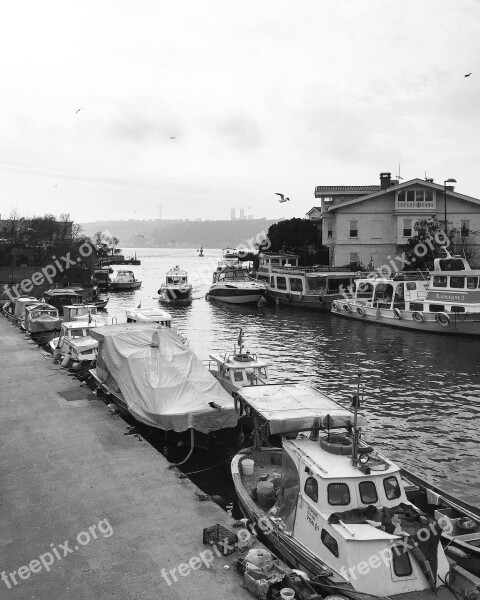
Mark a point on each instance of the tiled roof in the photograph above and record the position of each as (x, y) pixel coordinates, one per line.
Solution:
(346, 189)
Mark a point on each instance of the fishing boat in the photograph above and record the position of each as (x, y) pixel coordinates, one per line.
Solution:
(234, 370)
(301, 287)
(335, 506)
(149, 372)
(446, 301)
(41, 322)
(125, 280)
(176, 287)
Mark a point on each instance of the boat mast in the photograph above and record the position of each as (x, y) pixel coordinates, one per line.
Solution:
(355, 405)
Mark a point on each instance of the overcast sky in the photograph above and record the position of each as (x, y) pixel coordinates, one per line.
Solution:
(261, 96)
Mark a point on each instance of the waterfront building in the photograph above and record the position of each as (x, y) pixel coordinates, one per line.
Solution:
(364, 225)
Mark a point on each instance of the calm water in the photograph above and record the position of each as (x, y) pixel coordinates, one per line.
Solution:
(422, 391)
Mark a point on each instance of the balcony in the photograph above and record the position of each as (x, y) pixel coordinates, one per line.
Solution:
(417, 206)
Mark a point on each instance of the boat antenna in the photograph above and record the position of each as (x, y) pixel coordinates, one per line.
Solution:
(240, 340)
(355, 405)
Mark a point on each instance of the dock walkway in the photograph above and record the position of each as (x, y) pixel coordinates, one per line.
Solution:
(86, 512)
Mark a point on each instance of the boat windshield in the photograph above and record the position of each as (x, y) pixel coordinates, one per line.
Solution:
(235, 275)
(286, 505)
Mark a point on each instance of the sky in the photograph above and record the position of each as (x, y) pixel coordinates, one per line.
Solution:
(260, 96)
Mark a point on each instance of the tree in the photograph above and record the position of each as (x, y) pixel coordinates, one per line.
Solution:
(427, 243)
(292, 234)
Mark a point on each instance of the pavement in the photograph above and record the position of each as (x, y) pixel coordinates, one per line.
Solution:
(87, 512)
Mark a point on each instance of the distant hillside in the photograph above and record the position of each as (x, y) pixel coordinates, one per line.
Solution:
(176, 233)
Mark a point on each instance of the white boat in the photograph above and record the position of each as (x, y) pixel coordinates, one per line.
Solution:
(14, 310)
(149, 372)
(41, 321)
(332, 505)
(176, 287)
(239, 368)
(125, 280)
(302, 287)
(232, 282)
(70, 331)
(82, 353)
(149, 315)
(447, 301)
(80, 312)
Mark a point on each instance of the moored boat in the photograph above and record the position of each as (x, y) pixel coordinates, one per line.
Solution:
(149, 315)
(41, 321)
(176, 287)
(14, 310)
(70, 331)
(125, 280)
(335, 507)
(447, 301)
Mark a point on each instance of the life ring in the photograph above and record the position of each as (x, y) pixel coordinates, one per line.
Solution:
(396, 313)
(442, 319)
(361, 311)
(335, 305)
(336, 443)
(289, 297)
(346, 308)
(417, 316)
(321, 299)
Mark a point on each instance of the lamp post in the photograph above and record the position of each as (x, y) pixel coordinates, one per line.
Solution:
(445, 198)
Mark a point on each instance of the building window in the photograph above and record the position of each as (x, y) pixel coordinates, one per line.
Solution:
(368, 492)
(354, 258)
(464, 228)
(402, 567)
(296, 285)
(354, 229)
(330, 229)
(407, 227)
(410, 195)
(329, 542)
(392, 489)
(311, 488)
(338, 494)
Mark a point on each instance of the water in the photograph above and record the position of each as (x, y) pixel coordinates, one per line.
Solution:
(421, 391)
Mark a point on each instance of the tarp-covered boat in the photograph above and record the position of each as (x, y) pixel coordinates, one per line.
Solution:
(159, 380)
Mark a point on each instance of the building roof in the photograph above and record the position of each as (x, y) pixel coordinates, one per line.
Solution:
(405, 184)
(341, 190)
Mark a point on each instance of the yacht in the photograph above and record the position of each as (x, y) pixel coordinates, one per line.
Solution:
(332, 505)
(239, 368)
(176, 286)
(125, 280)
(447, 300)
(232, 282)
(302, 287)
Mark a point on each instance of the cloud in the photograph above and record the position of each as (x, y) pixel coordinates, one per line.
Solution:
(241, 133)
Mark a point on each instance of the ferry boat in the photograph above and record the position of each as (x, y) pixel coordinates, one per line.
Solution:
(446, 301)
(176, 286)
(125, 280)
(239, 368)
(41, 322)
(303, 287)
(334, 506)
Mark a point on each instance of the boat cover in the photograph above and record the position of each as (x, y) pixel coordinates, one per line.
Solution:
(161, 380)
(297, 407)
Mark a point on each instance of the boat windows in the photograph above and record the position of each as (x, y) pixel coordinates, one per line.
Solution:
(436, 308)
(416, 306)
(452, 264)
(457, 282)
(74, 333)
(238, 375)
(311, 488)
(296, 285)
(402, 567)
(338, 285)
(364, 289)
(338, 494)
(329, 542)
(439, 281)
(383, 294)
(411, 285)
(457, 309)
(368, 492)
(281, 283)
(317, 284)
(392, 488)
(472, 283)
(272, 281)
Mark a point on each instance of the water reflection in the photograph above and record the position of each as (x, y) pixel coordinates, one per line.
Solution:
(421, 391)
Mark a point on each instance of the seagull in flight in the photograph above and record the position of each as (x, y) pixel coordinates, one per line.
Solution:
(172, 137)
(78, 110)
(468, 75)
(140, 235)
(282, 197)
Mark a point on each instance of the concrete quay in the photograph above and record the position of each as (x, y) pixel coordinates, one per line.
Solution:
(86, 512)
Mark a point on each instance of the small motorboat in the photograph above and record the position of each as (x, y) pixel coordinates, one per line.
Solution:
(14, 310)
(239, 368)
(82, 353)
(234, 286)
(70, 331)
(124, 280)
(102, 303)
(149, 315)
(176, 287)
(336, 507)
(60, 297)
(41, 322)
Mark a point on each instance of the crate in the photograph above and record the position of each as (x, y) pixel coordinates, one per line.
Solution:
(220, 536)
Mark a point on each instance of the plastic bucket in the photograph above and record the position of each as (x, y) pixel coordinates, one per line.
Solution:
(287, 594)
(247, 466)
(265, 489)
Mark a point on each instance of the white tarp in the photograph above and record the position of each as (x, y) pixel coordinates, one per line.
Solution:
(297, 407)
(162, 381)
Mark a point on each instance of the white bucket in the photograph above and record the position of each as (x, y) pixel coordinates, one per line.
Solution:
(66, 360)
(287, 594)
(248, 466)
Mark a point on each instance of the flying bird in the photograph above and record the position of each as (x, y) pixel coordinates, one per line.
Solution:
(78, 110)
(282, 197)
(140, 235)
(172, 137)
(468, 75)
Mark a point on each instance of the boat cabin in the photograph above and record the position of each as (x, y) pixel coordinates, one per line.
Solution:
(20, 305)
(270, 261)
(176, 277)
(149, 315)
(229, 274)
(61, 297)
(124, 276)
(238, 369)
(71, 331)
(41, 317)
(454, 286)
(84, 349)
(79, 312)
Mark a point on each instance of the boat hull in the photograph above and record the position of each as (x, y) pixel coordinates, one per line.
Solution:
(128, 285)
(234, 295)
(303, 301)
(465, 324)
(176, 294)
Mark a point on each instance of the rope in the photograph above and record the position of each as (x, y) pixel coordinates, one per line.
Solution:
(192, 447)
